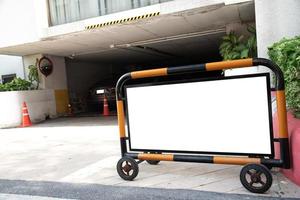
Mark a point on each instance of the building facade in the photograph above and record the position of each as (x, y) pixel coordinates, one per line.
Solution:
(92, 40)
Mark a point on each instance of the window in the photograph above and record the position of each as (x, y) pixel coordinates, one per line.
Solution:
(8, 78)
(66, 11)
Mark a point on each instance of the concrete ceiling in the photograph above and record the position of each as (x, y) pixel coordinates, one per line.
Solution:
(190, 33)
(179, 49)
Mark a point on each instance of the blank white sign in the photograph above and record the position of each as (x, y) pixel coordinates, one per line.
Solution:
(224, 116)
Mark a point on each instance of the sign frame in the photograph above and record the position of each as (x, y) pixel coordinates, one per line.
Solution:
(271, 137)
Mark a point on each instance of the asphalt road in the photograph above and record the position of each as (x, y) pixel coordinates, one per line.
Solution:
(32, 190)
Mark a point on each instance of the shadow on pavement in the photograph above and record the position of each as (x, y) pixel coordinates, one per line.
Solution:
(77, 121)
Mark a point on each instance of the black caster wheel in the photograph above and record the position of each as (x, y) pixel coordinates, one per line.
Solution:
(127, 168)
(256, 178)
(153, 162)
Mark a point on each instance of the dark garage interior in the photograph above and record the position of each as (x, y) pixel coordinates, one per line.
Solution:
(90, 73)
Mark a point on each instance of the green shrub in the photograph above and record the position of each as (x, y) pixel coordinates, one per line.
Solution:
(235, 47)
(286, 54)
(2, 88)
(16, 85)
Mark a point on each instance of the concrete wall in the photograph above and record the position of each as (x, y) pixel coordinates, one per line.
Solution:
(11, 65)
(58, 78)
(40, 103)
(31, 60)
(56, 81)
(276, 19)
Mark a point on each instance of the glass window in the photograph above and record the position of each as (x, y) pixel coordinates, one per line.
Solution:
(113, 6)
(72, 10)
(8, 78)
(89, 8)
(65, 11)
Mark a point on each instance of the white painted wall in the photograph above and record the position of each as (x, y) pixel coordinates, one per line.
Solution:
(30, 60)
(22, 21)
(56, 80)
(11, 65)
(275, 19)
(40, 103)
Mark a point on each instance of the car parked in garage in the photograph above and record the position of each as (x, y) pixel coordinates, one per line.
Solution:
(96, 96)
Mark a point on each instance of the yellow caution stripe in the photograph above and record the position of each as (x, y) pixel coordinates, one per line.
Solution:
(120, 21)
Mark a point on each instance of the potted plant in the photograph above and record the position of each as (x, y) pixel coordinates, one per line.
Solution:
(236, 47)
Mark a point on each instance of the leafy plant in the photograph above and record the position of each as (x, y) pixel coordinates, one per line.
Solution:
(20, 84)
(33, 75)
(251, 43)
(2, 88)
(234, 47)
(16, 85)
(286, 54)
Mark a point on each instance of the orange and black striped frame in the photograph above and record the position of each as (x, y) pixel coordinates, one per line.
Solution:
(283, 161)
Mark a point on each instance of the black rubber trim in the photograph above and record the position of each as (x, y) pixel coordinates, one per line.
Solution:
(275, 68)
(123, 146)
(202, 152)
(120, 84)
(186, 69)
(191, 158)
(201, 67)
(272, 162)
(181, 158)
(285, 152)
(132, 155)
(285, 157)
(284, 161)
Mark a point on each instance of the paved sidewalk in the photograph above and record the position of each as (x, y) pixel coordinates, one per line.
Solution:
(86, 150)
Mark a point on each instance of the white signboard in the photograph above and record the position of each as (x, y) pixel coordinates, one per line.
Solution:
(221, 116)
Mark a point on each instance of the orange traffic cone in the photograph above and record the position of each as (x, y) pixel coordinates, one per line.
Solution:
(25, 119)
(105, 107)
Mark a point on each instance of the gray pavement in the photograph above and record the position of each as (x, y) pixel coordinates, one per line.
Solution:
(32, 190)
(83, 152)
